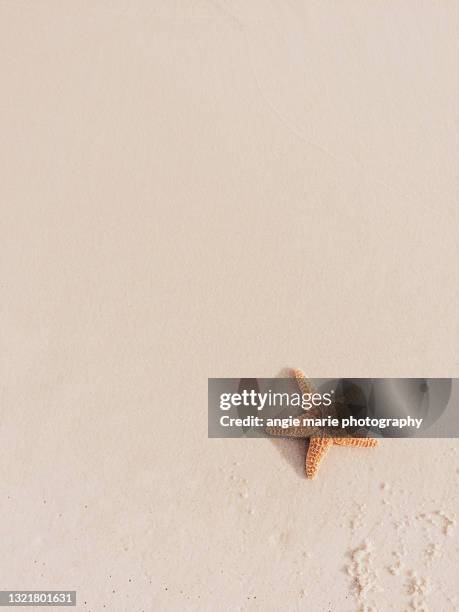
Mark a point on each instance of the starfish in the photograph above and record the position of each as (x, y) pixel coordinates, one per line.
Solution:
(320, 439)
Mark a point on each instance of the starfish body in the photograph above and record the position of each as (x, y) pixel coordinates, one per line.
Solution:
(320, 439)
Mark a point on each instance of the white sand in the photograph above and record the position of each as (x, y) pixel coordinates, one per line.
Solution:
(194, 189)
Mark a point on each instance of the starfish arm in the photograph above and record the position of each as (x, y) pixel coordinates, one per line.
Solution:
(292, 432)
(303, 383)
(317, 450)
(363, 442)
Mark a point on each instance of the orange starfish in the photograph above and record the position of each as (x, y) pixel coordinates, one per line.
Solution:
(319, 443)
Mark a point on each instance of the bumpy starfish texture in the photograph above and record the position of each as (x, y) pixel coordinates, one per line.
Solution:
(319, 444)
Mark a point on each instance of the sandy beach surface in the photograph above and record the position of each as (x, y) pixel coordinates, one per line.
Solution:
(196, 189)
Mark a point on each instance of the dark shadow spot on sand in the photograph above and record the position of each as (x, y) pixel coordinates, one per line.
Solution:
(293, 451)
